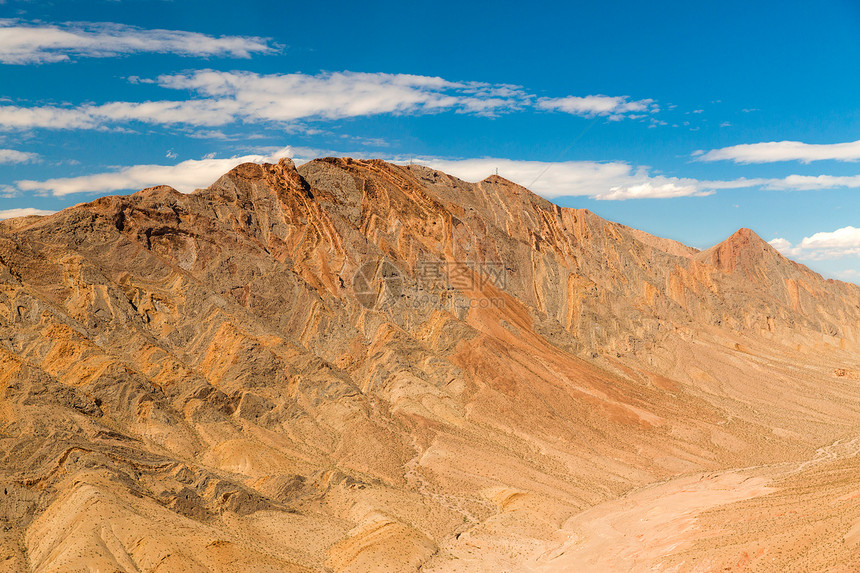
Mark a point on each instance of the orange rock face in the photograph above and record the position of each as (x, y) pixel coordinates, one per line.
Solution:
(356, 366)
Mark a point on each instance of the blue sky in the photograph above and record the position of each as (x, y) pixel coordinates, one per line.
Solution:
(685, 121)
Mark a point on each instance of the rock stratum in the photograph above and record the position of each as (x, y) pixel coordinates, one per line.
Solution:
(355, 366)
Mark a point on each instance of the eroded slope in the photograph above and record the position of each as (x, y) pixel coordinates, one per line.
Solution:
(191, 382)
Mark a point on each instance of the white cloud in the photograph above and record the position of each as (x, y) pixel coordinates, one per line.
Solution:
(619, 180)
(616, 107)
(202, 113)
(846, 237)
(227, 97)
(812, 182)
(221, 98)
(781, 245)
(185, 176)
(14, 156)
(825, 245)
(25, 212)
(287, 97)
(790, 183)
(14, 117)
(773, 151)
(612, 180)
(22, 43)
(609, 180)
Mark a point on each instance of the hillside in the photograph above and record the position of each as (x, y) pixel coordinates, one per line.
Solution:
(358, 366)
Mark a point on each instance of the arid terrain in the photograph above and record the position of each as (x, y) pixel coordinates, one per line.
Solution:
(355, 366)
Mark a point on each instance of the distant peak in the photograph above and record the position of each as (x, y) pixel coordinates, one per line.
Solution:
(239, 184)
(507, 191)
(748, 238)
(743, 249)
(745, 234)
(158, 190)
(287, 163)
(495, 178)
(251, 171)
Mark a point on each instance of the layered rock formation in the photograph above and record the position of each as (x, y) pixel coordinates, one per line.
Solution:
(357, 366)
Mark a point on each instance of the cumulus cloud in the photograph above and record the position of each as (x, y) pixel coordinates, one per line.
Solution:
(610, 180)
(15, 117)
(842, 242)
(15, 156)
(25, 212)
(185, 176)
(618, 180)
(22, 43)
(773, 151)
(782, 245)
(615, 107)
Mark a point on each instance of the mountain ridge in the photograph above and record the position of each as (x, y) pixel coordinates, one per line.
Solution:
(722, 254)
(359, 366)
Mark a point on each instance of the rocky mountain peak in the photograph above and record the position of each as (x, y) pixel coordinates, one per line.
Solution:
(356, 366)
(743, 249)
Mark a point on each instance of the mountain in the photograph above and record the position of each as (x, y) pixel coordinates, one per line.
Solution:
(356, 366)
